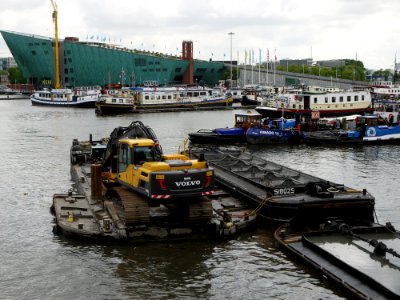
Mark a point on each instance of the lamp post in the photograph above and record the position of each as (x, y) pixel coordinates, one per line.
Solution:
(230, 83)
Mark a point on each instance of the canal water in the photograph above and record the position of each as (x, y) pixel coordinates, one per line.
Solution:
(35, 264)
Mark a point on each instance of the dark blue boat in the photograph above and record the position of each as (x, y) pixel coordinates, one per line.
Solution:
(236, 134)
(279, 131)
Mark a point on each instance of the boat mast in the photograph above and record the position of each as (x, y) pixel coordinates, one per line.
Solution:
(56, 53)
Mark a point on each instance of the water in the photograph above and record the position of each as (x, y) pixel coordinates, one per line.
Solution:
(35, 264)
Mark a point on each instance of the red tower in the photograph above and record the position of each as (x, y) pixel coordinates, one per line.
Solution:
(187, 54)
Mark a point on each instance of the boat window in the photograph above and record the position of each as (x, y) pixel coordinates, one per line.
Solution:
(113, 100)
(121, 100)
(195, 94)
(164, 97)
(362, 97)
(146, 97)
(356, 98)
(326, 99)
(169, 97)
(341, 99)
(315, 100)
(348, 98)
(333, 99)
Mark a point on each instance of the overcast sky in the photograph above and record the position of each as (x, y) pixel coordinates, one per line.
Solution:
(325, 29)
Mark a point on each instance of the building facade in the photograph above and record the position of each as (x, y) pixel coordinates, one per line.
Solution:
(88, 63)
(7, 62)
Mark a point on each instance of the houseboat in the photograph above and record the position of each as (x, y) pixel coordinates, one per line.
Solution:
(139, 99)
(315, 104)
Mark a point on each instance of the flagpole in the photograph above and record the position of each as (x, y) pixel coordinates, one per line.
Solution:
(274, 66)
(259, 69)
(267, 64)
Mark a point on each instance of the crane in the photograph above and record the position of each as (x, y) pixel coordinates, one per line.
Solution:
(56, 51)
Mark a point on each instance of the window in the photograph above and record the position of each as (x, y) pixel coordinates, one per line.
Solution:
(315, 100)
(326, 99)
(348, 98)
(362, 97)
(341, 99)
(124, 158)
(356, 98)
(333, 99)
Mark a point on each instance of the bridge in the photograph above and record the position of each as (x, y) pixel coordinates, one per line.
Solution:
(249, 75)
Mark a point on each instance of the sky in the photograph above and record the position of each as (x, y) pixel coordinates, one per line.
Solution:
(290, 29)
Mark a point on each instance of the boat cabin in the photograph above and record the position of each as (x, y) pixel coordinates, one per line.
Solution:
(247, 120)
(372, 120)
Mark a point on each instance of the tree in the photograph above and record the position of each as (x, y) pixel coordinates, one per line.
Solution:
(15, 76)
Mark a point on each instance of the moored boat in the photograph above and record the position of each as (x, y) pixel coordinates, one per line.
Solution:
(363, 258)
(139, 99)
(368, 130)
(322, 103)
(282, 194)
(78, 97)
(11, 94)
(279, 131)
(236, 134)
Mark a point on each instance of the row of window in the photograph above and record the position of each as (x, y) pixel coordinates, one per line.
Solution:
(336, 106)
(341, 99)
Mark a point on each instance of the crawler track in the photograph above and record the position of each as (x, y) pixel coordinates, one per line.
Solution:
(135, 209)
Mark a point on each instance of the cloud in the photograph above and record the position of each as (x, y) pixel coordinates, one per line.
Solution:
(333, 28)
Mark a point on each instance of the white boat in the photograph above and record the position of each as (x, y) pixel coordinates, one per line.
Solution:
(137, 99)
(384, 90)
(77, 97)
(10, 94)
(318, 104)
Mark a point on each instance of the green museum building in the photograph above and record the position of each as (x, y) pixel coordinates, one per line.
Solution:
(95, 63)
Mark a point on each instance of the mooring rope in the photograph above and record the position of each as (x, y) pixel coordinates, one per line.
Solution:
(380, 248)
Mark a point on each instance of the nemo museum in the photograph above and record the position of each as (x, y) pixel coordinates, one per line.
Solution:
(94, 63)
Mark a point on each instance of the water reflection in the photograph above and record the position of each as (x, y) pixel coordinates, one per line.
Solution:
(34, 143)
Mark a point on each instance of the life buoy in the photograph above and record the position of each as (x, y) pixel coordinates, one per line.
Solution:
(371, 131)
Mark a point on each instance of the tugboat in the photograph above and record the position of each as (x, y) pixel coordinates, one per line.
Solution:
(368, 130)
(235, 134)
(250, 128)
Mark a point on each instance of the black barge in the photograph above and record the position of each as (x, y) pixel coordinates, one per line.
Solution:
(281, 194)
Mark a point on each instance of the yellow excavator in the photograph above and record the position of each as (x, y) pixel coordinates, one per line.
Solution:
(137, 176)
